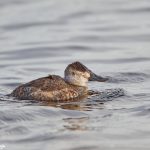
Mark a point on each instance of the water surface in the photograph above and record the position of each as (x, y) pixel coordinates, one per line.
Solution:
(111, 37)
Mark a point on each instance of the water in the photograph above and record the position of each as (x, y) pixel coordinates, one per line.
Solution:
(111, 37)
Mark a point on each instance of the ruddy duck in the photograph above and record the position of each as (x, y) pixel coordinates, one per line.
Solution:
(55, 88)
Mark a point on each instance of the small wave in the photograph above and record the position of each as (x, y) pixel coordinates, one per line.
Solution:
(26, 25)
(32, 52)
(76, 15)
(120, 60)
(143, 110)
(129, 77)
(135, 10)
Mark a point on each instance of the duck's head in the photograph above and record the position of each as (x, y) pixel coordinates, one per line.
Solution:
(78, 74)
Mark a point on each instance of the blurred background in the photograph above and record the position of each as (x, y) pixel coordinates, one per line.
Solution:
(111, 37)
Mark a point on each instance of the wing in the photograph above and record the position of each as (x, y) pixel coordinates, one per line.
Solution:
(49, 83)
(36, 88)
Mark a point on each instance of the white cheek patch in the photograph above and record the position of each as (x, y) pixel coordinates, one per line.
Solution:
(86, 75)
(76, 80)
(83, 80)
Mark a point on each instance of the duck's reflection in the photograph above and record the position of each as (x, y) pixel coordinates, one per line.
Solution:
(79, 124)
(78, 105)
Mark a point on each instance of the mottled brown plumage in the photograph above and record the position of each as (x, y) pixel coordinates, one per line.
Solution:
(48, 88)
(55, 88)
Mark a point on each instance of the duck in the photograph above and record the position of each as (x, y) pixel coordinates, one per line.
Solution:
(55, 88)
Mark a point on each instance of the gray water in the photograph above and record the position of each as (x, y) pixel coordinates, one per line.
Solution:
(41, 37)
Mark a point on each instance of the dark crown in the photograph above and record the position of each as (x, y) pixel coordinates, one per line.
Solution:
(78, 66)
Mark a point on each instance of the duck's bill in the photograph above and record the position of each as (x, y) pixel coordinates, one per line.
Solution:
(98, 78)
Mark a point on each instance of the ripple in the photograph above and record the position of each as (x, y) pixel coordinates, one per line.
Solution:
(129, 77)
(111, 28)
(26, 25)
(8, 3)
(141, 111)
(17, 130)
(135, 10)
(76, 15)
(121, 60)
(32, 113)
(35, 52)
(85, 148)
(14, 116)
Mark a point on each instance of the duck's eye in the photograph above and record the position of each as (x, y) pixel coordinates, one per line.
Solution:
(73, 73)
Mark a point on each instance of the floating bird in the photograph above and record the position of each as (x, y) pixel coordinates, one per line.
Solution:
(55, 88)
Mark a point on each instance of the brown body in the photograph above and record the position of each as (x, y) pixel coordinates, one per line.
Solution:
(55, 88)
(50, 88)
